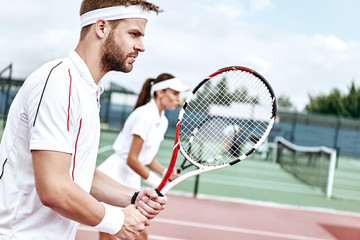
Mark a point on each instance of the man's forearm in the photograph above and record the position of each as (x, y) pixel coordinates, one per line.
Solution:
(59, 192)
(107, 190)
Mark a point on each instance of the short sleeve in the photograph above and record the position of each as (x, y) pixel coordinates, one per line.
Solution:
(141, 125)
(52, 116)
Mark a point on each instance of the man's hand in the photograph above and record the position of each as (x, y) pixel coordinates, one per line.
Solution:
(149, 203)
(134, 223)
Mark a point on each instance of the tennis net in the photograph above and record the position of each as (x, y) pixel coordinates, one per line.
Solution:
(312, 165)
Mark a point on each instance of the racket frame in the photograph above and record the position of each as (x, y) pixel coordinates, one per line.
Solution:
(164, 186)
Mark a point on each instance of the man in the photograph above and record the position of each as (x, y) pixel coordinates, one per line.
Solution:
(48, 180)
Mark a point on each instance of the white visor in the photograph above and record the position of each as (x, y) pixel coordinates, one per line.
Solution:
(173, 83)
(113, 13)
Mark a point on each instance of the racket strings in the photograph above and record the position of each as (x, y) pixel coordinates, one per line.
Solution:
(261, 93)
(226, 118)
(211, 142)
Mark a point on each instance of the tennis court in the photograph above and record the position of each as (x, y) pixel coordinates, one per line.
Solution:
(255, 199)
(186, 218)
(260, 180)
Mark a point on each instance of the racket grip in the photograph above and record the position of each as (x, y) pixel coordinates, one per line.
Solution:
(159, 193)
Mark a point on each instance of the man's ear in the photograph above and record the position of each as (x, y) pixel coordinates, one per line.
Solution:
(102, 28)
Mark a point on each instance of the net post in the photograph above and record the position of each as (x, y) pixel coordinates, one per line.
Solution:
(330, 180)
(276, 140)
(196, 187)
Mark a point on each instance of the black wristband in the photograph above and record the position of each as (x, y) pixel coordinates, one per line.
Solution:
(133, 198)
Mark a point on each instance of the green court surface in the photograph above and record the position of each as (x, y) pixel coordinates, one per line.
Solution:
(255, 179)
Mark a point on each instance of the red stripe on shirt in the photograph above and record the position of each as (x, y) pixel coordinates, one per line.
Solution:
(68, 120)
(77, 138)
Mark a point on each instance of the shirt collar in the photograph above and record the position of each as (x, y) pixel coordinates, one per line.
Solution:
(84, 72)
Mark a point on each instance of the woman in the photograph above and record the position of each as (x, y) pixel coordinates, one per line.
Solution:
(139, 140)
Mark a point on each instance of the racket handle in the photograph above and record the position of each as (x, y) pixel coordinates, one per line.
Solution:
(159, 193)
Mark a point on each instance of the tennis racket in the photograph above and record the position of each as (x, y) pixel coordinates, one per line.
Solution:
(224, 119)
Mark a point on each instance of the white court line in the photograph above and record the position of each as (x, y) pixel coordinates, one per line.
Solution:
(235, 229)
(151, 237)
(105, 149)
(157, 237)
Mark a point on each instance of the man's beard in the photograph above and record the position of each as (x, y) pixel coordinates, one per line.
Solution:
(114, 58)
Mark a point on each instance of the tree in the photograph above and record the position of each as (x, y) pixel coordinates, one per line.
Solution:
(201, 98)
(284, 102)
(336, 103)
(221, 95)
(351, 101)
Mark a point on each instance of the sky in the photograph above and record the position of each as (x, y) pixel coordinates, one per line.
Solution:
(302, 47)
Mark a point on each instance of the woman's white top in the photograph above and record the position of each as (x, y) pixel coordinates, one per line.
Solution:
(150, 125)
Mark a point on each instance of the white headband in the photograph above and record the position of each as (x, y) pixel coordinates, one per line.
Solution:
(113, 13)
(173, 83)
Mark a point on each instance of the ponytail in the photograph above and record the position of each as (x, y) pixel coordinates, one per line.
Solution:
(145, 94)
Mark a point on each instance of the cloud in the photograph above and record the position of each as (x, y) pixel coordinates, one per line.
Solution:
(261, 5)
(331, 42)
(234, 9)
(19, 11)
(296, 64)
(191, 40)
(313, 65)
(226, 10)
(263, 65)
(37, 31)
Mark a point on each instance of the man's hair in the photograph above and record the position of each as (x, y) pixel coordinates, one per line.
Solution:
(90, 5)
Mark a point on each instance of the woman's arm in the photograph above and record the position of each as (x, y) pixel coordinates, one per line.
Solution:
(133, 157)
(133, 162)
(155, 166)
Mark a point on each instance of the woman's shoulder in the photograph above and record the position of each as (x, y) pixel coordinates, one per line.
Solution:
(143, 112)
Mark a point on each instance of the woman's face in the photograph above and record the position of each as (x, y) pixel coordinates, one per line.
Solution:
(169, 99)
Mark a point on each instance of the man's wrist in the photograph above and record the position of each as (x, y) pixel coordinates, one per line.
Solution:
(133, 198)
(113, 220)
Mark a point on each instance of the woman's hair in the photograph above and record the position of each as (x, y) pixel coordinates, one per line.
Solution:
(90, 5)
(145, 94)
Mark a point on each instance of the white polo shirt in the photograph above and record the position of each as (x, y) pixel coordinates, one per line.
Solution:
(151, 126)
(55, 109)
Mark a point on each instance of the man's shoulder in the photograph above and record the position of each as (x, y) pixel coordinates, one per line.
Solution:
(49, 75)
(53, 67)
